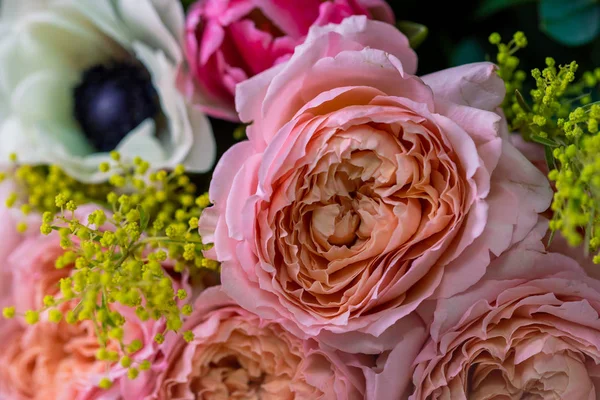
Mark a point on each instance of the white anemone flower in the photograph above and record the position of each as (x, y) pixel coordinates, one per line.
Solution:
(79, 78)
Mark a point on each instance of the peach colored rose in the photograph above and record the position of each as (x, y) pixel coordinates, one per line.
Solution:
(528, 330)
(228, 41)
(236, 355)
(57, 361)
(364, 190)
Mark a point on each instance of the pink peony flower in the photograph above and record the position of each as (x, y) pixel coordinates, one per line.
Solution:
(528, 329)
(228, 41)
(55, 361)
(236, 355)
(364, 190)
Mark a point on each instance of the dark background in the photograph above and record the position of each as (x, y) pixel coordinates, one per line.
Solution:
(458, 36)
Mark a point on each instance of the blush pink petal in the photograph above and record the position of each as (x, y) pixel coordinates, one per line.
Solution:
(390, 379)
(474, 85)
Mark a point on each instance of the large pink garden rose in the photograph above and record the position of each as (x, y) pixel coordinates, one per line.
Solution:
(228, 41)
(528, 330)
(364, 190)
(236, 355)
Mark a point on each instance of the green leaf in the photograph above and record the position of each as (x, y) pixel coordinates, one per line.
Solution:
(570, 22)
(522, 102)
(144, 219)
(490, 7)
(550, 161)
(416, 33)
(544, 141)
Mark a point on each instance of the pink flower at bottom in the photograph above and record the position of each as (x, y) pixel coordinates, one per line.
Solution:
(529, 329)
(236, 355)
(56, 361)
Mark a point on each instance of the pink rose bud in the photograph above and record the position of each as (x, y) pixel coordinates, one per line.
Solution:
(228, 42)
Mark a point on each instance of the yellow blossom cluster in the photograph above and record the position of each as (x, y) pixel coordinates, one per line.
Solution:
(560, 114)
(132, 249)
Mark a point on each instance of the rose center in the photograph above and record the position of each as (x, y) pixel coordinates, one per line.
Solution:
(264, 24)
(113, 100)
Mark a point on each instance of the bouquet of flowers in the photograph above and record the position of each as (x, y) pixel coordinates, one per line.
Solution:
(341, 227)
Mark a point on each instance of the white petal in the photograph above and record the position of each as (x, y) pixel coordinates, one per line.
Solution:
(44, 95)
(63, 138)
(172, 16)
(17, 137)
(145, 25)
(66, 37)
(142, 142)
(201, 156)
(188, 130)
(103, 14)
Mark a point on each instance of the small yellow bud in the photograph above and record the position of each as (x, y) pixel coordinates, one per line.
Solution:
(181, 294)
(105, 384)
(71, 205)
(159, 338)
(186, 310)
(71, 318)
(145, 365)
(11, 200)
(117, 180)
(12, 157)
(104, 167)
(22, 227)
(32, 317)
(49, 301)
(60, 200)
(133, 373)
(115, 155)
(495, 38)
(188, 336)
(174, 323)
(55, 316)
(126, 362)
(8, 312)
(116, 333)
(179, 170)
(134, 346)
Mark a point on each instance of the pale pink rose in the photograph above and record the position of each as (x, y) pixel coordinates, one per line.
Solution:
(528, 330)
(236, 355)
(228, 41)
(57, 361)
(364, 190)
(10, 238)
